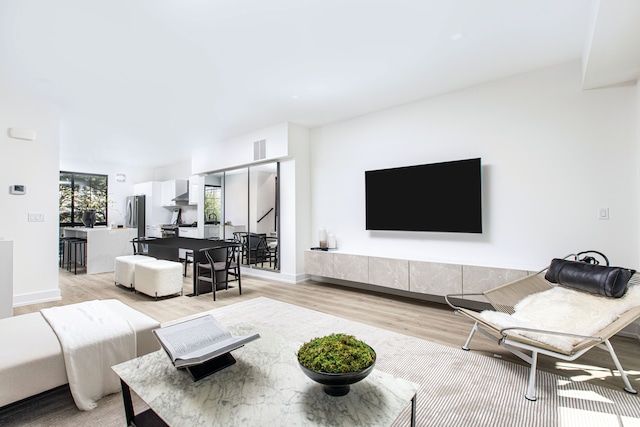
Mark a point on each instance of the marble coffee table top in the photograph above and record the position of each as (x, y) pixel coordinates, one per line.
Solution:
(264, 385)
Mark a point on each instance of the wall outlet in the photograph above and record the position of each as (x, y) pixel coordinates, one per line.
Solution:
(36, 216)
(603, 213)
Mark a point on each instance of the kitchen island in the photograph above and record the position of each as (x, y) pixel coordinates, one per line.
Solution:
(104, 244)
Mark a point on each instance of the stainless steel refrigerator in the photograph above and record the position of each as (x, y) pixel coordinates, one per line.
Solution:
(134, 217)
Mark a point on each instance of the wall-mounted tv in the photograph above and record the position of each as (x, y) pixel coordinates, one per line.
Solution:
(439, 197)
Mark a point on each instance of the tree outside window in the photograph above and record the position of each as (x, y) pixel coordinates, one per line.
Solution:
(81, 192)
(212, 204)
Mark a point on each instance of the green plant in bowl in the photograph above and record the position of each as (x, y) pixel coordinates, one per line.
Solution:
(336, 361)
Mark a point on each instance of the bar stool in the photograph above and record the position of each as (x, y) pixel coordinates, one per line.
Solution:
(64, 251)
(75, 244)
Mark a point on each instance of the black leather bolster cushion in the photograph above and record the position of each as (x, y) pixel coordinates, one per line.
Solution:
(593, 278)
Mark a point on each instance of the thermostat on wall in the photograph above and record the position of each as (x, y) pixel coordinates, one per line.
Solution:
(18, 189)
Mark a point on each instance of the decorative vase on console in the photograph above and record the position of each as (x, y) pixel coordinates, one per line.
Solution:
(89, 218)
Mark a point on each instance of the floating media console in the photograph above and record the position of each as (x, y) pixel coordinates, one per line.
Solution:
(415, 277)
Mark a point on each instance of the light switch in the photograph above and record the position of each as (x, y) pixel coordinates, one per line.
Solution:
(36, 216)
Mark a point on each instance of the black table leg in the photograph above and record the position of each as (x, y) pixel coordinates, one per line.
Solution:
(146, 418)
(128, 404)
(413, 410)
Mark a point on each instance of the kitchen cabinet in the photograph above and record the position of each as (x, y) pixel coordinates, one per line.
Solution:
(171, 189)
(188, 232)
(212, 231)
(196, 185)
(153, 231)
(103, 245)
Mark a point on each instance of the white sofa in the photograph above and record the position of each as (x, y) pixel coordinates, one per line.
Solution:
(32, 361)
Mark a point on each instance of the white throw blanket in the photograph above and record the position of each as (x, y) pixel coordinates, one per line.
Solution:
(564, 310)
(93, 338)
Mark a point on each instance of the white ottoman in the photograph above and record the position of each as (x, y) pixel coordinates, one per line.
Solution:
(125, 268)
(158, 278)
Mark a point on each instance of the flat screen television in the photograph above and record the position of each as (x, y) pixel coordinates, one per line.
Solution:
(439, 197)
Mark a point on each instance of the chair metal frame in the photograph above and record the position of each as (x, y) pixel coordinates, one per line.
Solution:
(504, 298)
(230, 263)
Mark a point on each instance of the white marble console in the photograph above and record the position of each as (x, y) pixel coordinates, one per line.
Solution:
(418, 277)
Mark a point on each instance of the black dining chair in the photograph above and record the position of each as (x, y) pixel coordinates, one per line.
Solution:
(139, 247)
(241, 237)
(272, 248)
(258, 250)
(206, 272)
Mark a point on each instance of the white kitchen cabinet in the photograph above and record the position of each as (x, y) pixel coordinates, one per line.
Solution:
(188, 232)
(155, 214)
(103, 245)
(196, 185)
(171, 189)
(212, 231)
(153, 230)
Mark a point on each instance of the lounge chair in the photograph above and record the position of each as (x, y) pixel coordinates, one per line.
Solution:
(514, 323)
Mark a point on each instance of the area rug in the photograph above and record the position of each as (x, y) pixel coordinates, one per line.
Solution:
(458, 388)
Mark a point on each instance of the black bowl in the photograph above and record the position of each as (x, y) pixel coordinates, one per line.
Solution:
(337, 384)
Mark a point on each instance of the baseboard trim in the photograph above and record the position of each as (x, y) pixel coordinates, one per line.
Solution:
(36, 297)
(277, 276)
(631, 331)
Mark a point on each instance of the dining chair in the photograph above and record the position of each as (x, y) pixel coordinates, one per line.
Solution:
(272, 247)
(139, 247)
(242, 238)
(258, 249)
(206, 272)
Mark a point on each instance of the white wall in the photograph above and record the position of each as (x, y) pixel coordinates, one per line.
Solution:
(34, 164)
(180, 170)
(552, 156)
(239, 151)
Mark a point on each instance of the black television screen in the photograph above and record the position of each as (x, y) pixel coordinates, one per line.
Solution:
(441, 197)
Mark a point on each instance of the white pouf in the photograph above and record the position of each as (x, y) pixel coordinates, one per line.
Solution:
(158, 278)
(125, 268)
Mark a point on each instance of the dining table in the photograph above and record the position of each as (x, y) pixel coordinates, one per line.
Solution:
(169, 249)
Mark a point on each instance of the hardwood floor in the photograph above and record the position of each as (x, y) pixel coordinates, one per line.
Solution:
(421, 319)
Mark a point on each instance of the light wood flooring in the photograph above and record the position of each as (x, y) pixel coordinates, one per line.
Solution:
(422, 319)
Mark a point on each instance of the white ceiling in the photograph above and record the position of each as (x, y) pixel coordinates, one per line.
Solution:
(141, 82)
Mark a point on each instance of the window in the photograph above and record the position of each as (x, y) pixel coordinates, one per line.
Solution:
(80, 192)
(212, 204)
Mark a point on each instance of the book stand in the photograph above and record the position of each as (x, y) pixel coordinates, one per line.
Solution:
(207, 368)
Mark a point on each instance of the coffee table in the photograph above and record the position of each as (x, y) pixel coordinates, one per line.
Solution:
(264, 386)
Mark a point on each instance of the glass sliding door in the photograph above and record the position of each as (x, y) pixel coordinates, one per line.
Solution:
(213, 206)
(264, 215)
(244, 204)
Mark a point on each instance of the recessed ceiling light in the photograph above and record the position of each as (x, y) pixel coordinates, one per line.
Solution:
(294, 97)
(456, 36)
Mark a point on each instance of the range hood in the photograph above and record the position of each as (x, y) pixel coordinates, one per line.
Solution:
(182, 198)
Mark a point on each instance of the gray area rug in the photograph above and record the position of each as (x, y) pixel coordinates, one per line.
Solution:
(458, 388)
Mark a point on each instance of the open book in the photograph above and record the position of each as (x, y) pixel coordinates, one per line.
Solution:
(198, 340)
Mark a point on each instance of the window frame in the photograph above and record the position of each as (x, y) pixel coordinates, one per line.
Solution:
(73, 205)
